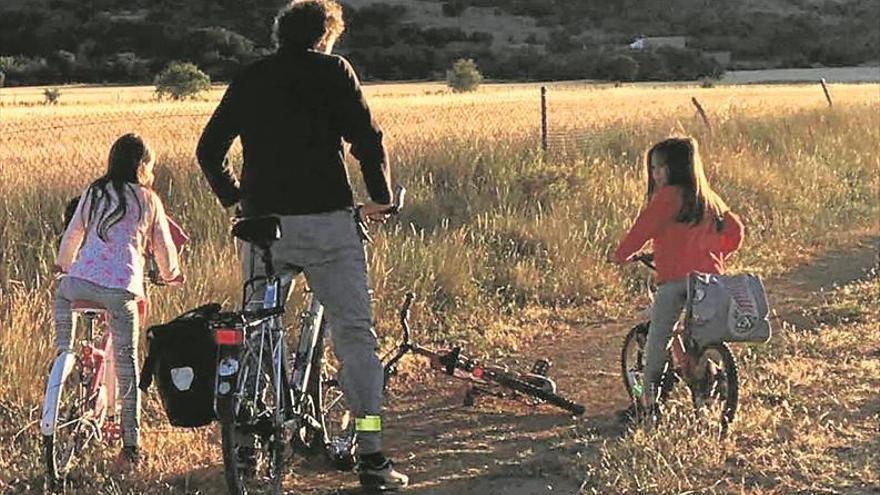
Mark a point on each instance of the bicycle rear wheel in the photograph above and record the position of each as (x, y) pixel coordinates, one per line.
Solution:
(71, 430)
(515, 383)
(717, 388)
(251, 436)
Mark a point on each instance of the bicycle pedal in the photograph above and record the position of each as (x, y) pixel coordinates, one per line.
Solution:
(111, 431)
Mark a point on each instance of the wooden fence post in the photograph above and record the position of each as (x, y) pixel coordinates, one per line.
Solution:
(2, 82)
(544, 119)
(827, 93)
(702, 113)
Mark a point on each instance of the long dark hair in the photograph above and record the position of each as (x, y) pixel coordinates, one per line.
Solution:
(128, 165)
(685, 170)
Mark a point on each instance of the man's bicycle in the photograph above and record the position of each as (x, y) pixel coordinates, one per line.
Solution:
(709, 371)
(252, 395)
(265, 403)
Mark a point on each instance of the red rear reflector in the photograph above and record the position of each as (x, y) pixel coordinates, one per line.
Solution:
(228, 336)
(478, 372)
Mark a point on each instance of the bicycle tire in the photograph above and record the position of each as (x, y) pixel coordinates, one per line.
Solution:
(338, 435)
(668, 378)
(514, 383)
(626, 368)
(266, 452)
(729, 384)
(308, 440)
(70, 404)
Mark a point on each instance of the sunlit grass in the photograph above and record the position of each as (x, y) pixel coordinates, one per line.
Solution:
(493, 227)
(807, 420)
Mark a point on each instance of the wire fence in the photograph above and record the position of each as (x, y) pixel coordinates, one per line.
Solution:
(558, 121)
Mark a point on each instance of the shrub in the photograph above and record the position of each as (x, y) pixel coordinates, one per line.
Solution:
(52, 95)
(24, 70)
(463, 76)
(181, 80)
(619, 67)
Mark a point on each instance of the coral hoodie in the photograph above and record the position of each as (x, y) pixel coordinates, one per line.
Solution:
(680, 248)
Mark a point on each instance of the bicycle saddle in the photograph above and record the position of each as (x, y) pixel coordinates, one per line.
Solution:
(85, 306)
(260, 231)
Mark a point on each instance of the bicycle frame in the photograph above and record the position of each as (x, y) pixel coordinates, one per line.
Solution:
(238, 341)
(310, 332)
(451, 363)
(99, 394)
(681, 345)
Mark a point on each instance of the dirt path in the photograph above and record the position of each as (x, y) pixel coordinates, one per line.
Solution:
(497, 447)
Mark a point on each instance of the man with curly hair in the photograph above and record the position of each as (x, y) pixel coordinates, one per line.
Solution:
(292, 111)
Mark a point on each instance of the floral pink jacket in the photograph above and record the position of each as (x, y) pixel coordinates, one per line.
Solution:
(118, 262)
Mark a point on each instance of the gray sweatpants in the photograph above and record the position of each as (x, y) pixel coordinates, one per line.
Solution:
(669, 301)
(124, 327)
(328, 249)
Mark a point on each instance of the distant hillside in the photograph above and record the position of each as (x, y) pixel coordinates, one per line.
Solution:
(130, 40)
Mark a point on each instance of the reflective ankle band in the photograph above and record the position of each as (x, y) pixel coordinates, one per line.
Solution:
(368, 423)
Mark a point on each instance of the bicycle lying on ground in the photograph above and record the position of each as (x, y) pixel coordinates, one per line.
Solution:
(535, 386)
(485, 379)
(709, 371)
(262, 406)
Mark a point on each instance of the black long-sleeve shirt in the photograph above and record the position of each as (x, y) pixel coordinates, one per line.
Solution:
(292, 110)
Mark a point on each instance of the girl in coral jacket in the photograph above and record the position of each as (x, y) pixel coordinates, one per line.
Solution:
(692, 228)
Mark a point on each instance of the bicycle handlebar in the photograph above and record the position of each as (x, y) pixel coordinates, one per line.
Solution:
(646, 259)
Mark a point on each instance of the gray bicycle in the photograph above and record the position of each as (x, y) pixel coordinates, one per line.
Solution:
(266, 402)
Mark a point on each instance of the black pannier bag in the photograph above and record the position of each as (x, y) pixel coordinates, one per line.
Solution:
(182, 357)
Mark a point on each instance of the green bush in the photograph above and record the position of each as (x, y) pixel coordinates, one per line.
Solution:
(618, 68)
(52, 95)
(181, 81)
(463, 76)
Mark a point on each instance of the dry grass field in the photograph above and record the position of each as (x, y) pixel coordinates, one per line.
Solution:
(496, 237)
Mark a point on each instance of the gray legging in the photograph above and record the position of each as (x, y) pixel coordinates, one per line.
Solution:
(669, 301)
(122, 306)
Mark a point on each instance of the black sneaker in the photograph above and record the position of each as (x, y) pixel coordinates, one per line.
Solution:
(127, 460)
(379, 475)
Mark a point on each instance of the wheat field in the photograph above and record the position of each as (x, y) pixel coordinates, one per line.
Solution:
(494, 227)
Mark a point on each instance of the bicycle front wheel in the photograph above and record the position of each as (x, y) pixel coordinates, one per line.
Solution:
(337, 436)
(518, 385)
(71, 430)
(632, 365)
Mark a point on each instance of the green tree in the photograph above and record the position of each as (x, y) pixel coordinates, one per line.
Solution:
(181, 80)
(619, 67)
(463, 76)
(52, 95)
